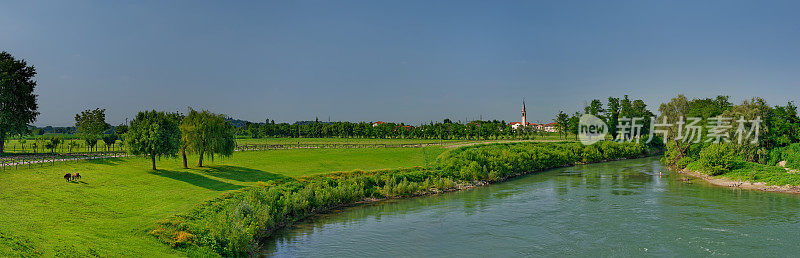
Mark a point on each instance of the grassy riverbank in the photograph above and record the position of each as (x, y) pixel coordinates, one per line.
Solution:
(724, 165)
(118, 201)
(233, 223)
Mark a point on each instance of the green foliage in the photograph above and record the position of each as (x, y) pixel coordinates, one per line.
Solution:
(683, 162)
(17, 99)
(154, 134)
(91, 125)
(783, 126)
(205, 132)
(91, 122)
(718, 159)
(790, 154)
(232, 224)
(110, 139)
(770, 175)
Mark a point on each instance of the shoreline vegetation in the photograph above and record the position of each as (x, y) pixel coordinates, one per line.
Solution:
(732, 183)
(234, 224)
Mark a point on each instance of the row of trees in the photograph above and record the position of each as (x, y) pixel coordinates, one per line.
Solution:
(617, 108)
(159, 134)
(445, 130)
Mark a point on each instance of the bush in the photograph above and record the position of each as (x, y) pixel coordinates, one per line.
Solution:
(718, 158)
(790, 154)
(683, 162)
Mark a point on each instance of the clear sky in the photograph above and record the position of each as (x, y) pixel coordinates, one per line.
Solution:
(406, 61)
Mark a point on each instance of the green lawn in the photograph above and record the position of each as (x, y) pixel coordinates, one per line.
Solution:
(111, 211)
(340, 140)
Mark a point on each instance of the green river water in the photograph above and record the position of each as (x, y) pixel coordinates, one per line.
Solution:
(621, 208)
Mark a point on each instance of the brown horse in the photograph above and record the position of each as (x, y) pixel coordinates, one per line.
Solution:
(68, 177)
(76, 176)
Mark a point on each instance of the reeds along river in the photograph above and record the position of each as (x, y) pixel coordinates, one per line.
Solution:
(621, 208)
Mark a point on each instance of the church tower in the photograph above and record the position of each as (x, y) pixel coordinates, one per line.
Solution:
(524, 122)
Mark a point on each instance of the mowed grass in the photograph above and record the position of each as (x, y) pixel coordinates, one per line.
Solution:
(340, 141)
(118, 201)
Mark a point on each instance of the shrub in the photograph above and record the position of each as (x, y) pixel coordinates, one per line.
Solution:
(683, 162)
(790, 154)
(718, 158)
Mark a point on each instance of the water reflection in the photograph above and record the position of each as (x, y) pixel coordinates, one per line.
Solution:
(623, 208)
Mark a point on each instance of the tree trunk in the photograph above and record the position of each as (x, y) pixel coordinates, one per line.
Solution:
(200, 161)
(183, 153)
(153, 158)
(2, 146)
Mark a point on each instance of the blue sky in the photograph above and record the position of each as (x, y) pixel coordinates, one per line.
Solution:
(408, 61)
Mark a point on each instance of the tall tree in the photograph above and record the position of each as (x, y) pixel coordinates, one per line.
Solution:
(574, 124)
(91, 125)
(595, 108)
(562, 123)
(206, 133)
(154, 134)
(783, 125)
(17, 101)
(612, 114)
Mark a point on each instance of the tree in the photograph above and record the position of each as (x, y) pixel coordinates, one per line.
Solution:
(562, 121)
(91, 125)
(73, 145)
(17, 101)
(121, 129)
(595, 108)
(612, 114)
(574, 123)
(110, 140)
(155, 134)
(207, 133)
(783, 125)
(22, 142)
(53, 143)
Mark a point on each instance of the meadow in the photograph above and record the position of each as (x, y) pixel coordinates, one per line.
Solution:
(13, 146)
(111, 211)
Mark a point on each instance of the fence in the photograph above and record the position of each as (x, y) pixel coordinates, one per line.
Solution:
(31, 160)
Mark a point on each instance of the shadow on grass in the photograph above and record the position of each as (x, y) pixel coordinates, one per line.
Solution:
(197, 180)
(241, 174)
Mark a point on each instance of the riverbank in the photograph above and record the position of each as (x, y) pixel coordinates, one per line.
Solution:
(727, 182)
(118, 201)
(232, 224)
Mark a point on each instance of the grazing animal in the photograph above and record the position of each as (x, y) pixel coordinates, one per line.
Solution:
(76, 176)
(68, 177)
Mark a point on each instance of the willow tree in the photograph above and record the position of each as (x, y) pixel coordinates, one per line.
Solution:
(154, 134)
(206, 133)
(17, 101)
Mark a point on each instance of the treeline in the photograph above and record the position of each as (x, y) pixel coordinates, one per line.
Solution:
(777, 138)
(232, 224)
(615, 109)
(445, 130)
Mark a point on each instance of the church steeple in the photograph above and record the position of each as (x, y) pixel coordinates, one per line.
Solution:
(523, 120)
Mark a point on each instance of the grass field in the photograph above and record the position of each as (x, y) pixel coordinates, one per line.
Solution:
(339, 140)
(13, 145)
(110, 212)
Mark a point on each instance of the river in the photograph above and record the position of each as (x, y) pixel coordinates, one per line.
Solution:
(621, 208)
